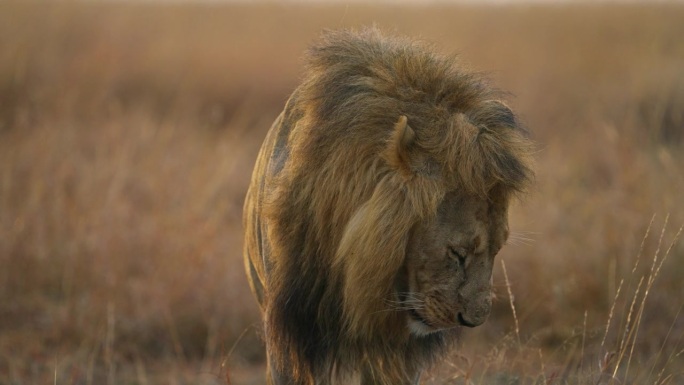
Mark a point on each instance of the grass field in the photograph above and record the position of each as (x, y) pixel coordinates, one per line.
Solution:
(127, 137)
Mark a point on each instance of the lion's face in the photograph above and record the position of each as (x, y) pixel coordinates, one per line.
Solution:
(447, 276)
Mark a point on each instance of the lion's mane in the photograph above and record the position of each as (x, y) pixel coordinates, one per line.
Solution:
(333, 198)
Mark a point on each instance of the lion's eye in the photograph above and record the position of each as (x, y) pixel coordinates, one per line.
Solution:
(459, 254)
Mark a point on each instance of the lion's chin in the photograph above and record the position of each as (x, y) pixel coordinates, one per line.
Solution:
(418, 326)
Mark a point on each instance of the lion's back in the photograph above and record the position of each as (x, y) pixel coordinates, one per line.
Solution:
(269, 163)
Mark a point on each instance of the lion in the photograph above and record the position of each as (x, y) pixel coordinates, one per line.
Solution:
(377, 203)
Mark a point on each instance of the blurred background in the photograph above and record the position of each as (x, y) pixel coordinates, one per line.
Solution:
(128, 133)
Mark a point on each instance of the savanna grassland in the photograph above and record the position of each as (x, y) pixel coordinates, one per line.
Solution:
(127, 137)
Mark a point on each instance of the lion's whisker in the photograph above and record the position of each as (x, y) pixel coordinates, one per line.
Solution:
(524, 237)
(409, 293)
(518, 239)
(517, 236)
(398, 309)
(520, 243)
(407, 297)
(404, 304)
(412, 301)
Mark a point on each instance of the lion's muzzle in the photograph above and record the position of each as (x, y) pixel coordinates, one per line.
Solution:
(475, 310)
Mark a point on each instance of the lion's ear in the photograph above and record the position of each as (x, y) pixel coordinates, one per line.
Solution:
(397, 152)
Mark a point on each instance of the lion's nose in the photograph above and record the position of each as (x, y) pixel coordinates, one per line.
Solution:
(470, 322)
(476, 311)
(466, 322)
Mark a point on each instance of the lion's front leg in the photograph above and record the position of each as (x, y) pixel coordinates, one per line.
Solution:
(273, 375)
(276, 376)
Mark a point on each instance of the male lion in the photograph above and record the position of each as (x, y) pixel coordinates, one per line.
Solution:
(378, 202)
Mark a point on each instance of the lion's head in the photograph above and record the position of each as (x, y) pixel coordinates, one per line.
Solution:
(448, 266)
(376, 208)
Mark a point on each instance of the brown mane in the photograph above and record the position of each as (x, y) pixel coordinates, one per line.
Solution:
(346, 189)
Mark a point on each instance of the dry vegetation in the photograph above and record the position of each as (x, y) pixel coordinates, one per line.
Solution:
(127, 137)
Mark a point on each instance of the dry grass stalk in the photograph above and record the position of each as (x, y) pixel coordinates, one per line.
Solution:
(110, 339)
(662, 348)
(541, 363)
(653, 273)
(631, 333)
(584, 335)
(510, 298)
(610, 314)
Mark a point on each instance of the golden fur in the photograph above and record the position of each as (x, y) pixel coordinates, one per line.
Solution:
(368, 146)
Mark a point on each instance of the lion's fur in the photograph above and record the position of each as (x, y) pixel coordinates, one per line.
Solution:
(368, 145)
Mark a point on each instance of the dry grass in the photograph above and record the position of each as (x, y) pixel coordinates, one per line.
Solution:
(127, 137)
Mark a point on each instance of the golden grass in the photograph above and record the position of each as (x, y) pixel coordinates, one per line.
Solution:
(127, 137)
